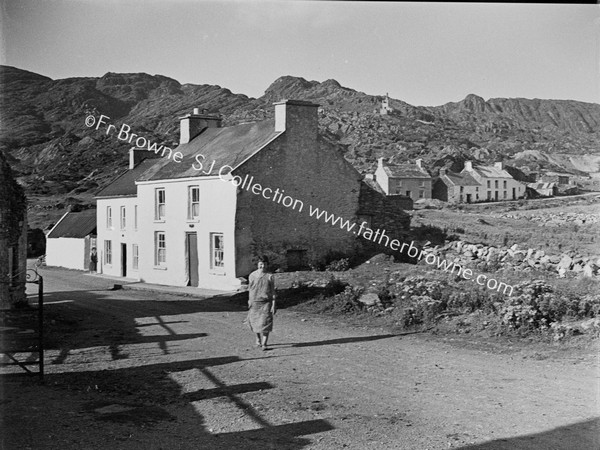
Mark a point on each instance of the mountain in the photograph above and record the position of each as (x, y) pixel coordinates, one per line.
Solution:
(44, 136)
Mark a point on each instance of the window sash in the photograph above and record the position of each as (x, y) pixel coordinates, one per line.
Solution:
(160, 248)
(160, 197)
(123, 218)
(193, 202)
(108, 217)
(135, 251)
(108, 252)
(217, 251)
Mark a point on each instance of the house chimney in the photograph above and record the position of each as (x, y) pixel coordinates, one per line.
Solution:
(442, 171)
(191, 125)
(419, 163)
(370, 176)
(297, 116)
(137, 155)
(468, 166)
(498, 165)
(380, 162)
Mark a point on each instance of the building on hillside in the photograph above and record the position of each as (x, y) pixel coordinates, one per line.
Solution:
(542, 189)
(70, 241)
(13, 238)
(411, 180)
(201, 215)
(385, 106)
(496, 183)
(454, 187)
(560, 179)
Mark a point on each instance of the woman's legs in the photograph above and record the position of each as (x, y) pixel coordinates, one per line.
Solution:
(265, 338)
(258, 339)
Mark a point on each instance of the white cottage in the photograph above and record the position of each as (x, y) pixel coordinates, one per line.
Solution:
(69, 242)
(496, 182)
(199, 216)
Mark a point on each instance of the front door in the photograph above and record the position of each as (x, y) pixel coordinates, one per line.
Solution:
(192, 252)
(123, 260)
(468, 198)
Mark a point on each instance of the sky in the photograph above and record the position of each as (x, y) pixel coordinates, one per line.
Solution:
(425, 54)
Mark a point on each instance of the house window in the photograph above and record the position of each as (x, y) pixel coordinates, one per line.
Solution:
(505, 194)
(476, 188)
(135, 250)
(109, 217)
(421, 194)
(217, 250)
(462, 189)
(489, 184)
(422, 184)
(160, 248)
(159, 204)
(107, 252)
(408, 193)
(504, 184)
(123, 219)
(489, 195)
(135, 217)
(496, 184)
(193, 202)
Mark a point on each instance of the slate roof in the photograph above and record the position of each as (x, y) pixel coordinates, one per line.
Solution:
(124, 184)
(491, 172)
(542, 185)
(405, 171)
(75, 225)
(227, 146)
(460, 179)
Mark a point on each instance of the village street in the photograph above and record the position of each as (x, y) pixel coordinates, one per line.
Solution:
(145, 370)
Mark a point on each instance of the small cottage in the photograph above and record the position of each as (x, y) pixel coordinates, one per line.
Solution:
(456, 187)
(69, 242)
(411, 180)
(496, 182)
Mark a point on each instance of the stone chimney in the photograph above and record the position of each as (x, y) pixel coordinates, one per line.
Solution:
(297, 116)
(442, 171)
(419, 163)
(499, 165)
(137, 155)
(380, 162)
(191, 125)
(468, 166)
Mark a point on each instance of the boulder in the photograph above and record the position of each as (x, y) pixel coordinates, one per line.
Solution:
(588, 271)
(566, 262)
(369, 299)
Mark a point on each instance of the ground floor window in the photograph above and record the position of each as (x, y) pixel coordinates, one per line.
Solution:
(135, 256)
(107, 252)
(160, 248)
(217, 251)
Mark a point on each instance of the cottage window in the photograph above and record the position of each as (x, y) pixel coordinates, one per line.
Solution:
(489, 184)
(505, 194)
(193, 202)
(160, 248)
(107, 252)
(123, 219)
(135, 250)
(476, 188)
(489, 195)
(462, 189)
(421, 194)
(159, 202)
(422, 184)
(109, 217)
(217, 251)
(496, 184)
(504, 184)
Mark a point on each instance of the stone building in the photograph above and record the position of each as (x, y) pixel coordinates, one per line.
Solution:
(13, 238)
(456, 187)
(270, 188)
(496, 182)
(411, 180)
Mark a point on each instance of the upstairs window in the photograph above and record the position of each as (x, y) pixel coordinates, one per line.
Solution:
(123, 219)
(159, 204)
(109, 217)
(193, 202)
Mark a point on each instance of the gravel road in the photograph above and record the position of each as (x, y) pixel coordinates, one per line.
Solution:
(143, 370)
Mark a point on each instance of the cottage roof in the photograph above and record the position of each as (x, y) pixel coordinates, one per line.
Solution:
(491, 172)
(459, 179)
(405, 171)
(542, 185)
(124, 184)
(75, 225)
(228, 146)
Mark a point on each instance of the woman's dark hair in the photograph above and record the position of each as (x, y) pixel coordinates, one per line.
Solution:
(263, 259)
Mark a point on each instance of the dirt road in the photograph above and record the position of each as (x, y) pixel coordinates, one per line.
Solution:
(139, 370)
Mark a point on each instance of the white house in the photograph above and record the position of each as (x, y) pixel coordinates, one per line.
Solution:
(496, 182)
(199, 215)
(69, 242)
(411, 180)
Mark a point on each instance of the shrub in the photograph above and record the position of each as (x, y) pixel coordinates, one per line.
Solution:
(339, 265)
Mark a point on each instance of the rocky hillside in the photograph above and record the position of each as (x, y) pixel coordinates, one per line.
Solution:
(43, 134)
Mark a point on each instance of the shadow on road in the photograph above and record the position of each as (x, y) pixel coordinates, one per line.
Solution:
(348, 340)
(580, 435)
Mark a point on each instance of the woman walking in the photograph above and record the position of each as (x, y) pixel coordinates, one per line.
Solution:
(261, 302)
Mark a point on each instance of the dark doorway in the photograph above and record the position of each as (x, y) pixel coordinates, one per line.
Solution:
(514, 193)
(123, 260)
(468, 198)
(192, 252)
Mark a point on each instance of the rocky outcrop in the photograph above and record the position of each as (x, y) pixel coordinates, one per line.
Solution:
(490, 258)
